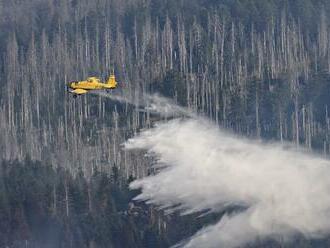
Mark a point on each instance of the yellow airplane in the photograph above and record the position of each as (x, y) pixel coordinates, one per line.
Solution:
(91, 83)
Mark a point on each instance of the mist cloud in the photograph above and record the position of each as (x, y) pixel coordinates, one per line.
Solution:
(152, 103)
(282, 192)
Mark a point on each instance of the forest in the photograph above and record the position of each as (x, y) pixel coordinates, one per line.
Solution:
(259, 68)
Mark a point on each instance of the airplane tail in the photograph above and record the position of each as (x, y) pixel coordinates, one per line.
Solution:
(112, 81)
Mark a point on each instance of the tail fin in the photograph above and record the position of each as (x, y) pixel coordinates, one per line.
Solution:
(112, 81)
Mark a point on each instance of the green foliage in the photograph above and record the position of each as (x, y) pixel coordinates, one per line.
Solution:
(27, 208)
(27, 211)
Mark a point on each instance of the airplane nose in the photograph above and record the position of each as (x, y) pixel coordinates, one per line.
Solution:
(68, 86)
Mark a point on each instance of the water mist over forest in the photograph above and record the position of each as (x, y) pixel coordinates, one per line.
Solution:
(223, 109)
(279, 192)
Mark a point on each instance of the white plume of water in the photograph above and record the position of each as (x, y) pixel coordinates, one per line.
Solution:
(282, 192)
(154, 104)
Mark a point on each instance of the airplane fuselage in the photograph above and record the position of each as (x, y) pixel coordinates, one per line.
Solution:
(92, 83)
(89, 86)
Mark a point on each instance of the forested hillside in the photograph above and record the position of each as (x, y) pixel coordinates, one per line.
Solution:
(43, 207)
(257, 67)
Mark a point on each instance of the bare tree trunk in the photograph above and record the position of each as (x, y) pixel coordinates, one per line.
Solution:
(66, 189)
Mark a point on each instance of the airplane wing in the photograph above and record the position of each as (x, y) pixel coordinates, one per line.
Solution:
(78, 91)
